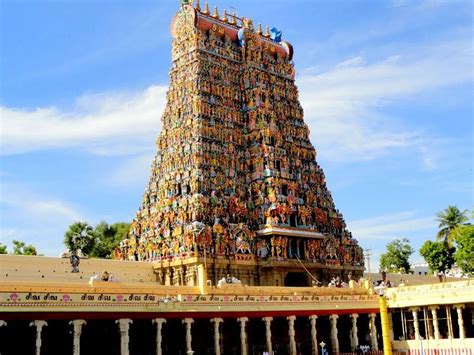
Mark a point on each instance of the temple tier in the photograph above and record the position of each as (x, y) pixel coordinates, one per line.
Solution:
(235, 179)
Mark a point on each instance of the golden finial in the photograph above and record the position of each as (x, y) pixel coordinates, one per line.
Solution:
(267, 32)
(206, 9)
(232, 19)
(198, 5)
(225, 19)
(216, 13)
(259, 31)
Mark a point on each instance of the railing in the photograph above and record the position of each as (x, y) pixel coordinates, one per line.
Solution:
(435, 347)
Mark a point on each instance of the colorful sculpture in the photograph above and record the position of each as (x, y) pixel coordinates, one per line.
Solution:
(234, 155)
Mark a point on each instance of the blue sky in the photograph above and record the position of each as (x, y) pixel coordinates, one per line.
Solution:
(386, 87)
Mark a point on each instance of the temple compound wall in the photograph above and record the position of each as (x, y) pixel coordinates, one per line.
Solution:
(54, 311)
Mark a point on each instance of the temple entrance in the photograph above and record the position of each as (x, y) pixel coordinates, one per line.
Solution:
(296, 279)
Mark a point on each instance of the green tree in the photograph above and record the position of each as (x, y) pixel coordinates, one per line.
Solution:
(20, 248)
(3, 249)
(449, 219)
(438, 255)
(464, 257)
(107, 238)
(80, 235)
(397, 256)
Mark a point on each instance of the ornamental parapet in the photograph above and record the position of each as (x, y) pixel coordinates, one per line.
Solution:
(432, 294)
(106, 297)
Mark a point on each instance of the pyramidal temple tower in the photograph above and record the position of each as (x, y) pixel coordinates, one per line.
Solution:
(235, 186)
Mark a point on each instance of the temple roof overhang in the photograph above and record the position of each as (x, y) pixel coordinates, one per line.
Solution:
(289, 231)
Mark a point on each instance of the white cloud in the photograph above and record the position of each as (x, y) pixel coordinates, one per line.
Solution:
(132, 171)
(344, 106)
(351, 62)
(427, 4)
(387, 227)
(105, 123)
(35, 207)
(34, 218)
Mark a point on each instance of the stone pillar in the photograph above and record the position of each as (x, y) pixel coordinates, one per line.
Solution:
(435, 321)
(202, 278)
(168, 277)
(314, 339)
(354, 337)
(334, 340)
(390, 323)
(268, 333)
(189, 276)
(124, 326)
(428, 324)
(159, 339)
(243, 335)
(39, 324)
(450, 322)
(188, 322)
(77, 325)
(291, 334)
(462, 332)
(217, 334)
(373, 332)
(416, 325)
(161, 276)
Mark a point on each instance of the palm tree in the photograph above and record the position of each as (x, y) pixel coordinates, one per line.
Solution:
(79, 236)
(449, 219)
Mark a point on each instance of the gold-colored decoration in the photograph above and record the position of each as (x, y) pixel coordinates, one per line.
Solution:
(225, 19)
(267, 32)
(198, 5)
(216, 13)
(248, 23)
(259, 30)
(218, 29)
(233, 20)
(206, 9)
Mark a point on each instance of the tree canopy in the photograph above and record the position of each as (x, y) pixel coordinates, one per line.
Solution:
(98, 242)
(464, 257)
(20, 248)
(3, 249)
(438, 255)
(396, 259)
(79, 236)
(107, 238)
(449, 219)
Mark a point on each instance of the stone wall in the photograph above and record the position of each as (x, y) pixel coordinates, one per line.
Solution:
(49, 269)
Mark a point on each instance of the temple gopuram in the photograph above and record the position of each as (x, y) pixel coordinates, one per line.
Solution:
(237, 247)
(235, 184)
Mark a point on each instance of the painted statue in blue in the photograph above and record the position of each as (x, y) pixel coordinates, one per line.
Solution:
(241, 37)
(275, 34)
